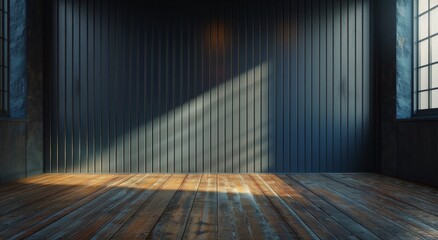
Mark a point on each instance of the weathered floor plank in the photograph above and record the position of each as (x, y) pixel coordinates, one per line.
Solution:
(417, 188)
(89, 224)
(290, 215)
(276, 224)
(309, 214)
(202, 223)
(334, 214)
(217, 206)
(49, 205)
(173, 221)
(382, 227)
(428, 203)
(57, 211)
(384, 207)
(140, 225)
(15, 200)
(239, 214)
(123, 216)
(18, 185)
(114, 194)
(385, 203)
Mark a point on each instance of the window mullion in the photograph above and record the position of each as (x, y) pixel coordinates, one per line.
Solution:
(415, 58)
(429, 56)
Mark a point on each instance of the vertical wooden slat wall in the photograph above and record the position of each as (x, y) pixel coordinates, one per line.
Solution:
(224, 86)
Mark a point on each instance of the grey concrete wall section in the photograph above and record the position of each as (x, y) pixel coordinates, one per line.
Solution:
(404, 58)
(12, 150)
(21, 135)
(18, 81)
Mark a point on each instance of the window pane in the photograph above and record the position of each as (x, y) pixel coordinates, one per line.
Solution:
(424, 52)
(434, 21)
(434, 46)
(433, 3)
(422, 6)
(434, 50)
(434, 99)
(434, 79)
(423, 78)
(423, 100)
(423, 26)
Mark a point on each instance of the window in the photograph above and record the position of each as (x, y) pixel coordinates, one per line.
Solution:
(427, 54)
(4, 57)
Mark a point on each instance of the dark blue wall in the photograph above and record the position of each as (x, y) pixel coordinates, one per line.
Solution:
(225, 86)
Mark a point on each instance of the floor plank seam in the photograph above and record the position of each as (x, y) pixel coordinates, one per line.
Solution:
(307, 210)
(193, 203)
(167, 205)
(133, 214)
(281, 215)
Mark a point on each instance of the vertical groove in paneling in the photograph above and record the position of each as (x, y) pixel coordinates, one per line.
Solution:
(83, 85)
(106, 155)
(64, 80)
(323, 124)
(307, 82)
(90, 84)
(71, 87)
(226, 86)
(367, 135)
(316, 94)
(330, 86)
(300, 86)
(48, 98)
(293, 44)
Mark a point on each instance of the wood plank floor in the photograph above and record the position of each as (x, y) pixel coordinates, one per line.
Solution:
(217, 206)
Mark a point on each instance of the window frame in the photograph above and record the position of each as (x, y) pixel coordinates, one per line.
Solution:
(429, 112)
(5, 57)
